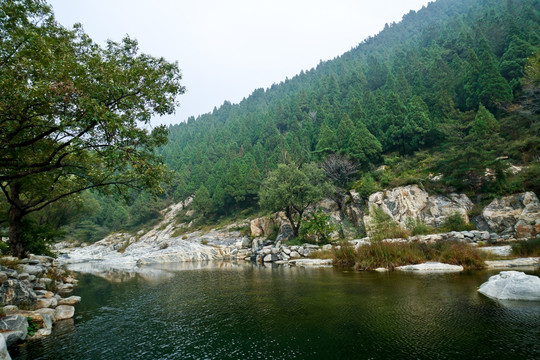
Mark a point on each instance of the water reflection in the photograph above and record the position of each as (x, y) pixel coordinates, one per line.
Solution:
(242, 311)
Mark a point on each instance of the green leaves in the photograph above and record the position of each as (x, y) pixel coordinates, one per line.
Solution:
(70, 110)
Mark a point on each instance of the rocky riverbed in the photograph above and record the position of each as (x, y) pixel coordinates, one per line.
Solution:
(34, 296)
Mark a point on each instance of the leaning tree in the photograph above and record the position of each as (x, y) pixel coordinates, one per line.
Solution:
(74, 115)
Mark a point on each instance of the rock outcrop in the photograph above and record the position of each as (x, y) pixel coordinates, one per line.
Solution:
(517, 215)
(406, 202)
(512, 285)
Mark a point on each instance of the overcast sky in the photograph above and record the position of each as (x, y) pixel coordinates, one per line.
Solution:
(227, 49)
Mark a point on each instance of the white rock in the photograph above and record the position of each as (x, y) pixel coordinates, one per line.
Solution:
(312, 262)
(4, 355)
(504, 250)
(72, 300)
(431, 267)
(521, 262)
(295, 255)
(512, 285)
(63, 312)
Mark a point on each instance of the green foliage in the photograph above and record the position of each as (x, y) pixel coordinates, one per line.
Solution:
(455, 222)
(526, 248)
(409, 90)
(417, 227)
(293, 190)
(38, 238)
(202, 201)
(71, 123)
(366, 186)
(32, 326)
(383, 227)
(317, 228)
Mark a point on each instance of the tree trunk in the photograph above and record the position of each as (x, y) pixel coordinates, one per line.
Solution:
(16, 215)
(15, 231)
(291, 221)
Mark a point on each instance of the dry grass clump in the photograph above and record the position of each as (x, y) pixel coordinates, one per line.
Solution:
(524, 248)
(393, 254)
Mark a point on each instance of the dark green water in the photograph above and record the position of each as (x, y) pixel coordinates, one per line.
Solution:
(247, 312)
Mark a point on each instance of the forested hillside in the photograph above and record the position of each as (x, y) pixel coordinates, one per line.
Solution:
(446, 78)
(451, 90)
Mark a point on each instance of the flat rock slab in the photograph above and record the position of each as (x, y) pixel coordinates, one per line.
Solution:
(504, 250)
(311, 262)
(521, 262)
(431, 267)
(512, 285)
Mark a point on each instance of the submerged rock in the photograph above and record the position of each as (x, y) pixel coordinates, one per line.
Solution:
(431, 267)
(512, 285)
(311, 262)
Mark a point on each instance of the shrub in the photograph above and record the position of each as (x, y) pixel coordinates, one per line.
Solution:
(418, 227)
(529, 247)
(392, 254)
(459, 253)
(455, 222)
(388, 255)
(317, 228)
(344, 255)
(383, 226)
(366, 186)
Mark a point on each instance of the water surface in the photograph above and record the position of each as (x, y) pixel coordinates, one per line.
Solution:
(241, 311)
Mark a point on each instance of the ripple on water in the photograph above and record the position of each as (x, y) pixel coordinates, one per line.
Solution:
(253, 313)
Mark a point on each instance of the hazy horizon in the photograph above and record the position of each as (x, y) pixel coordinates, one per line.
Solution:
(228, 49)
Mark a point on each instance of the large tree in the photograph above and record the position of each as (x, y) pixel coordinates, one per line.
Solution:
(74, 115)
(292, 189)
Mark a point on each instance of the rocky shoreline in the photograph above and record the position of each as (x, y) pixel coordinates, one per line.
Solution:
(32, 296)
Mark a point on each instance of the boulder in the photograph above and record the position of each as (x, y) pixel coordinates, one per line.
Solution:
(406, 202)
(46, 312)
(14, 292)
(32, 269)
(45, 303)
(15, 328)
(262, 226)
(63, 312)
(512, 285)
(72, 300)
(10, 309)
(12, 337)
(517, 215)
(35, 316)
(4, 354)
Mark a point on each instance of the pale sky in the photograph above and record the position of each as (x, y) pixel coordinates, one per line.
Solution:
(227, 49)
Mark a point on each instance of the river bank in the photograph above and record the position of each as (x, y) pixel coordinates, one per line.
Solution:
(34, 296)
